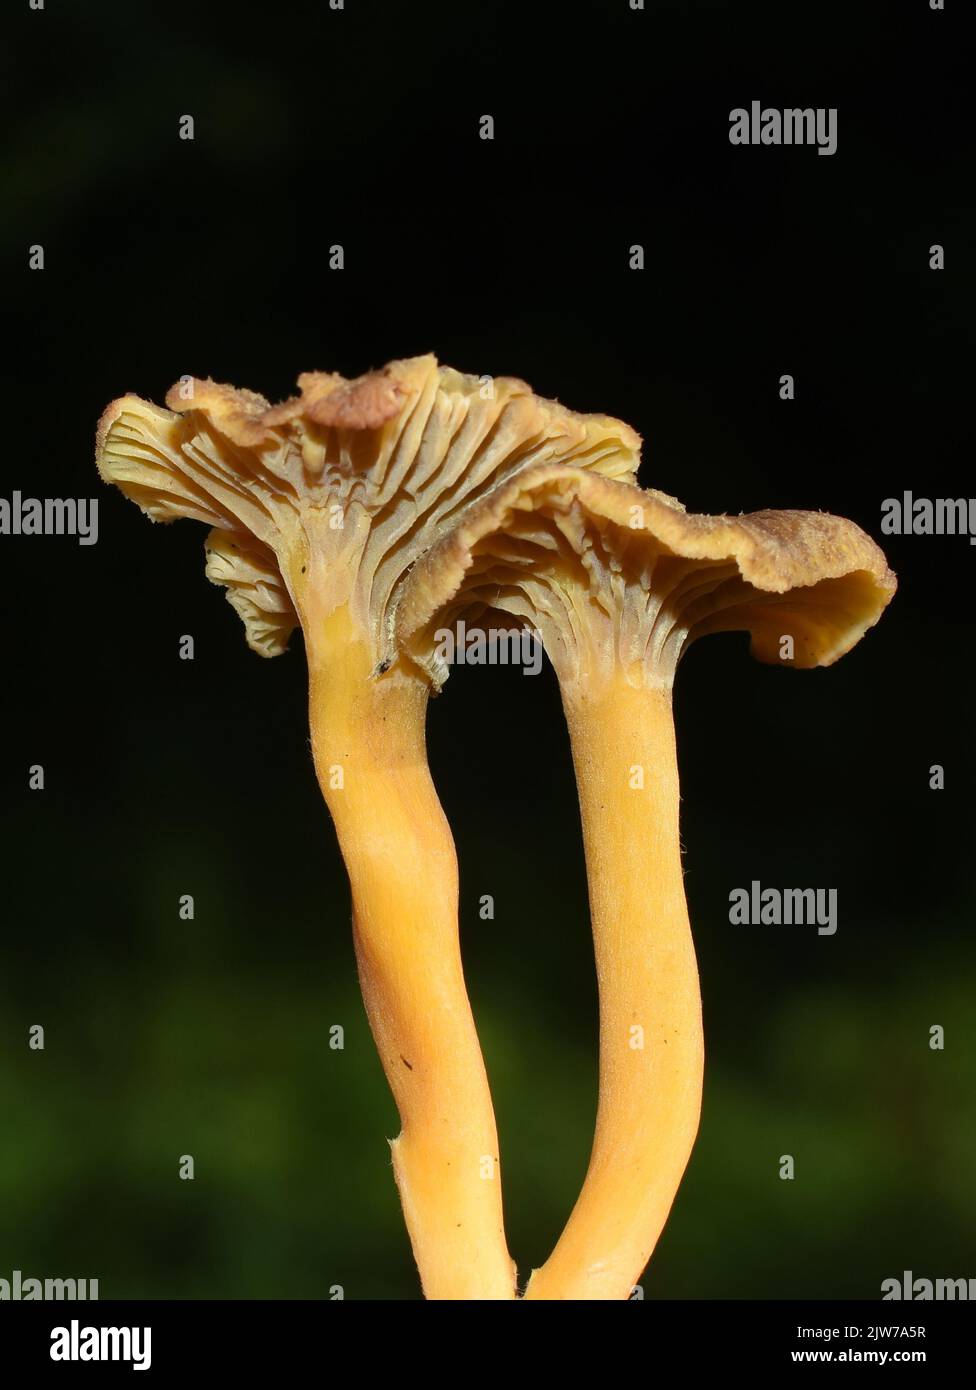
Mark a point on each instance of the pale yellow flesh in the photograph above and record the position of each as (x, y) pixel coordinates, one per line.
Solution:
(650, 1095)
(399, 854)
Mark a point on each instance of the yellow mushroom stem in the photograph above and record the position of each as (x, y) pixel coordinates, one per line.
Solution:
(651, 1050)
(370, 758)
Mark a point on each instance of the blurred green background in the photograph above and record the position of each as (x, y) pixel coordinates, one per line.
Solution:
(210, 1037)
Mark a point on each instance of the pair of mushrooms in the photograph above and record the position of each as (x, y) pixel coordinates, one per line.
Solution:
(372, 513)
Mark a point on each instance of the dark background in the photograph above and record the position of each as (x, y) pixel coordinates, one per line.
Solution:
(166, 777)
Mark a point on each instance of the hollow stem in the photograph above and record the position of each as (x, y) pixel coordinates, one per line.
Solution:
(651, 1050)
(370, 758)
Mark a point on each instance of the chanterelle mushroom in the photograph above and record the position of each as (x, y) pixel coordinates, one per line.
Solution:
(618, 581)
(318, 507)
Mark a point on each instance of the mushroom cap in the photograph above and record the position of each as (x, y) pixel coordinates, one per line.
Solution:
(347, 482)
(615, 575)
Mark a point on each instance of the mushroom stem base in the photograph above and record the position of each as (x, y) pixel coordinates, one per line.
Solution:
(651, 1049)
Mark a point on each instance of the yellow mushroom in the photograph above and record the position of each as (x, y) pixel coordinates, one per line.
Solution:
(319, 506)
(618, 582)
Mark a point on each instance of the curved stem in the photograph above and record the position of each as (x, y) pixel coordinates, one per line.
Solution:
(651, 1050)
(370, 758)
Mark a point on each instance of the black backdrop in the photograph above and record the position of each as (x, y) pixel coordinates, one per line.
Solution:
(165, 257)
